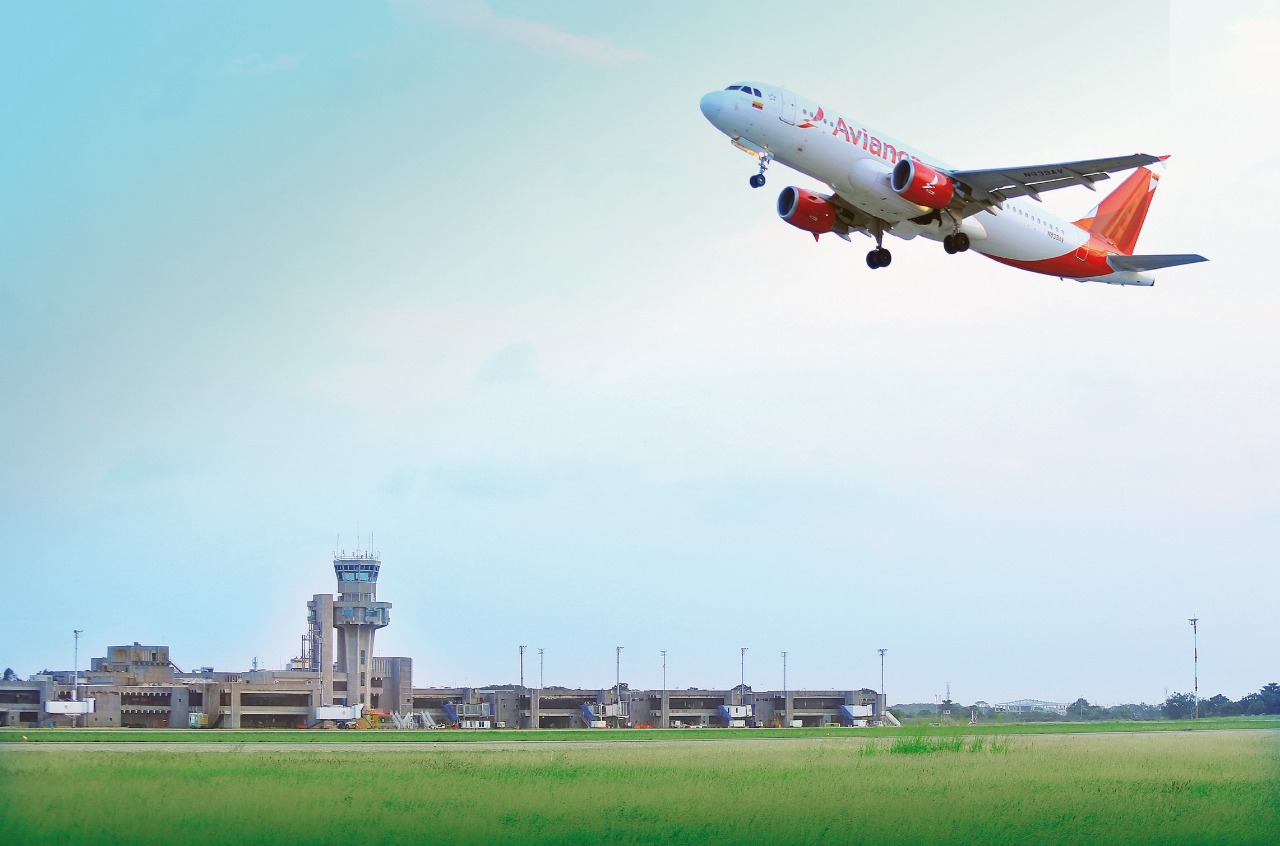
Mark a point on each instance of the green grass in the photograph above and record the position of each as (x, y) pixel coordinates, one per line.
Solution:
(113, 735)
(914, 788)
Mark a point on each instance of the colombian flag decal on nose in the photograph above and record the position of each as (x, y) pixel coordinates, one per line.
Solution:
(756, 104)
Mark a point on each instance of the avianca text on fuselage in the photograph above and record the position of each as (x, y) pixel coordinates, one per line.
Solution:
(880, 184)
(869, 142)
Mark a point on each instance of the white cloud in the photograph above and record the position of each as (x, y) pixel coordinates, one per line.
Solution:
(478, 15)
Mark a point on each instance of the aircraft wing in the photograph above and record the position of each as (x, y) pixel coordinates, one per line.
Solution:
(993, 186)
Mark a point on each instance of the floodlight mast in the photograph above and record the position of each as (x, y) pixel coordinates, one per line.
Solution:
(617, 685)
(1195, 661)
(75, 670)
(540, 668)
(882, 693)
(786, 712)
(523, 647)
(742, 681)
(666, 719)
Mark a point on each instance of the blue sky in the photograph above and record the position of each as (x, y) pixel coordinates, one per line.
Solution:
(477, 277)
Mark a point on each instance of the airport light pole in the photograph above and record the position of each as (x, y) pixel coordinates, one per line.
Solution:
(786, 712)
(75, 670)
(666, 722)
(882, 693)
(617, 685)
(539, 668)
(1195, 661)
(742, 680)
(523, 647)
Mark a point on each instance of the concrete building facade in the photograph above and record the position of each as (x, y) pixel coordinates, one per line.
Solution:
(137, 685)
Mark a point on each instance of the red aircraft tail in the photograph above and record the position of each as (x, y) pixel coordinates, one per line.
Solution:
(1119, 217)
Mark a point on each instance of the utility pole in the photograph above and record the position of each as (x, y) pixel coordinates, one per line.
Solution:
(742, 682)
(666, 720)
(1195, 659)
(786, 712)
(522, 649)
(539, 668)
(617, 685)
(75, 671)
(882, 685)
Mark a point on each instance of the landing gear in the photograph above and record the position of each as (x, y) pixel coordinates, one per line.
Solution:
(879, 257)
(957, 243)
(757, 181)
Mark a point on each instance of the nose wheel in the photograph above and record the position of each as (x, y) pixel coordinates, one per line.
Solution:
(878, 258)
(757, 181)
(957, 243)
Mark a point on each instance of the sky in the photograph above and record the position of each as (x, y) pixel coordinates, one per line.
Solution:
(475, 284)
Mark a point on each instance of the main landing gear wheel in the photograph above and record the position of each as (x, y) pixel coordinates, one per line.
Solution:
(956, 243)
(757, 181)
(879, 257)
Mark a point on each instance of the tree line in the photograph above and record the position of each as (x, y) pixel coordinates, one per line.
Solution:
(1177, 706)
(1182, 706)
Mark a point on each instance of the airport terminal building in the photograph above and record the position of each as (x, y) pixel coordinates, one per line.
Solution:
(337, 680)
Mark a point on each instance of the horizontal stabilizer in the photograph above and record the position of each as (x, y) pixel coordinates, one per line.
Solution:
(1141, 263)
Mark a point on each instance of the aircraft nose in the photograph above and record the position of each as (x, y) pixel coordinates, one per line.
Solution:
(711, 105)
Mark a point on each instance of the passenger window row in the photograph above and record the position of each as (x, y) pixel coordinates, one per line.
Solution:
(1044, 223)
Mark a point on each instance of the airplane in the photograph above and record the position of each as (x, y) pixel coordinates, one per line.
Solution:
(880, 185)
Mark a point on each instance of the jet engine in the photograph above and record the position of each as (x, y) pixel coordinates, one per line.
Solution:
(807, 210)
(918, 183)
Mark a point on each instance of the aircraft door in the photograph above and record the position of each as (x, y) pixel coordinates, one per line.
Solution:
(788, 107)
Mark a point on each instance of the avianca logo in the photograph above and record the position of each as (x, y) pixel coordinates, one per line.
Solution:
(932, 187)
(809, 121)
(862, 137)
(858, 137)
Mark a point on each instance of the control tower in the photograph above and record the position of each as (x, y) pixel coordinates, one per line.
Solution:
(356, 615)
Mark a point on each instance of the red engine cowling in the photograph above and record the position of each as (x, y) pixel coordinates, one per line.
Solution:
(917, 182)
(807, 210)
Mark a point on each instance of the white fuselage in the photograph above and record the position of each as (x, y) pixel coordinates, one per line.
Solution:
(856, 161)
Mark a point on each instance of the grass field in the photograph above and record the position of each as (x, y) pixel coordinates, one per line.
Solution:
(115, 735)
(914, 788)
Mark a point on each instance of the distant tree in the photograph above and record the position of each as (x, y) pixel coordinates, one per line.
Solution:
(1134, 711)
(1218, 706)
(1270, 696)
(9, 674)
(1253, 703)
(1082, 710)
(1179, 706)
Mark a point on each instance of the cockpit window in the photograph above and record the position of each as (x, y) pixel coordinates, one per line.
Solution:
(756, 91)
(734, 88)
